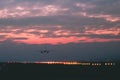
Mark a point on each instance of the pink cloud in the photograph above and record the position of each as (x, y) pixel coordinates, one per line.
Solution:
(106, 17)
(3, 13)
(108, 31)
(85, 6)
(64, 40)
(26, 11)
(58, 36)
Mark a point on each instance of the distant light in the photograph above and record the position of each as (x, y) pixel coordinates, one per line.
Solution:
(109, 64)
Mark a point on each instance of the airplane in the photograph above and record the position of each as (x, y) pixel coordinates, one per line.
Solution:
(45, 51)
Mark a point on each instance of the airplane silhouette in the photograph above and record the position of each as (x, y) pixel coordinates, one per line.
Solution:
(45, 51)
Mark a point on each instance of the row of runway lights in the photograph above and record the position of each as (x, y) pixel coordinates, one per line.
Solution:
(72, 63)
(77, 63)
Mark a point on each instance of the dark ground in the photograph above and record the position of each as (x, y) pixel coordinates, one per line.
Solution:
(19, 71)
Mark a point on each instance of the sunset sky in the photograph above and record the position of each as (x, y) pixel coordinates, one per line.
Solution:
(73, 30)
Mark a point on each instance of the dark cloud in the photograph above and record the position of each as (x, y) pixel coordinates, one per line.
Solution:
(110, 7)
(100, 7)
(20, 38)
(68, 21)
(104, 36)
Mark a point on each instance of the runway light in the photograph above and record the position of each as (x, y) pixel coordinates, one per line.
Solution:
(63, 63)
